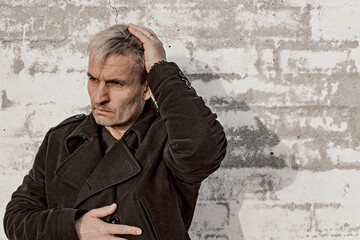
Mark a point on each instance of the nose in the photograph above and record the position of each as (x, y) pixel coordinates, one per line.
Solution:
(101, 95)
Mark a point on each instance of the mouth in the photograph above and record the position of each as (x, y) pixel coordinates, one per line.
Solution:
(101, 110)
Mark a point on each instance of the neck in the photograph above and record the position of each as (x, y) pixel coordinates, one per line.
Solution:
(117, 132)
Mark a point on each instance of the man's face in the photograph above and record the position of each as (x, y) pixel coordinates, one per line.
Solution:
(116, 93)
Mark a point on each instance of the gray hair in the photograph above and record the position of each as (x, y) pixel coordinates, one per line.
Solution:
(117, 40)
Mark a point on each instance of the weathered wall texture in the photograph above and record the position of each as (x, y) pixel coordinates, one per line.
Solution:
(281, 74)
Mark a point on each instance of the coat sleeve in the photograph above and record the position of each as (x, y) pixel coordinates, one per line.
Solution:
(27, 215)
(196, 141)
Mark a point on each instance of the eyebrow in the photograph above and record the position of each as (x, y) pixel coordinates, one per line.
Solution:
(107, 80)
(90, 76)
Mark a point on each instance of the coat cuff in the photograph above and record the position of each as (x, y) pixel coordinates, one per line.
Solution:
(160, 72)
(69, 215)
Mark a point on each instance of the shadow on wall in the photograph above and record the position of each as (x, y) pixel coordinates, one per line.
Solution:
(257, 162)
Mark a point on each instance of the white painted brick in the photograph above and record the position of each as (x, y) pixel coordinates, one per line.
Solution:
(328, 123)
(49, 59)
(321, 3)
(268, 63)
(223, 88)
(306, 120)
(335, 186)
(178, 51)
(32, 2)
(267, 19)
(224, 224)
(262, 221)
(64, 91)
(5, 61)
(95, 3)
(238, 61)
(187, 15)
(85, 26)
(346, 223)
(289, 186)
(355, 55)
(336, 21)
(233, 183)
(19, 155)
(213, 216)
(238, 119)
(306, 151)
(338, 154)
(22, 24)
(296, 62)
(260, 91)
(227, 60)
(12, 121)
(303, 207)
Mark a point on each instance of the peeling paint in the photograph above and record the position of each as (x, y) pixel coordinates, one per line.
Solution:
(18, 65)
(292, 206)
(5, 102)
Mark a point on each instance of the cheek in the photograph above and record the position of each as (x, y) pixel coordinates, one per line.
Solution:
(121, 100)
(132, 99)
(132, 95)
(138, 97)
(127, 100)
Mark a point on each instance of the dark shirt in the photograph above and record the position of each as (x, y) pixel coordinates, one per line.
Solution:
(106, 140)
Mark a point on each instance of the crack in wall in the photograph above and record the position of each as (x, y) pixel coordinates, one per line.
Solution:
(116, 11)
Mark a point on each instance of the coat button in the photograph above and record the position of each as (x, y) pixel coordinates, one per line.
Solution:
(115, 220)
(182, 75)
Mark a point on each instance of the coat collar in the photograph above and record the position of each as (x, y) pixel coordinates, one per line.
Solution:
(83, 169)
(89, 128)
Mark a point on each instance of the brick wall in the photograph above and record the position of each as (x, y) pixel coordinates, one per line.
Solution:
(281, 75)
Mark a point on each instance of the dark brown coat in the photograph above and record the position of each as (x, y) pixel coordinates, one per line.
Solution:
(155, 185)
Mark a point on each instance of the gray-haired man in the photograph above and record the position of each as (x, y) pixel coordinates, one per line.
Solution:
(130, 169)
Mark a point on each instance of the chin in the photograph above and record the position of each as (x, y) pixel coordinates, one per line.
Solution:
(103, 121)
(106, 122)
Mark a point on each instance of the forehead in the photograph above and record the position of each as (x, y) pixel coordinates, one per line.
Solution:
(114, 66)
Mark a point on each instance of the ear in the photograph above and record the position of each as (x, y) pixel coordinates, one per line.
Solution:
(147, 93)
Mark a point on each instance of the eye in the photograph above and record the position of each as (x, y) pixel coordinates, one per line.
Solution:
(93, 79)
(115, 83)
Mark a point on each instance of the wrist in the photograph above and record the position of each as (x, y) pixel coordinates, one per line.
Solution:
(157, 64)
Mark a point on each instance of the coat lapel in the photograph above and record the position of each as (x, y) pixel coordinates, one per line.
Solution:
(84, 152)
(87, 170)
(117, 166)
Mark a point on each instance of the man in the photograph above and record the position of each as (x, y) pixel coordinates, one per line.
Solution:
(130, 169)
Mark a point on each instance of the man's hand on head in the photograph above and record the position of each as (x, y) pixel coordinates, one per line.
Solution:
(90, 226)
(153, 47)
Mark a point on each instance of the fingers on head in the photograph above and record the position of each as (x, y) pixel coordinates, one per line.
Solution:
(139, 34)
(151, 32)
(145, 32)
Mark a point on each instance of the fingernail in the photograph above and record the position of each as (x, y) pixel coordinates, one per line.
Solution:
(138, 231)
